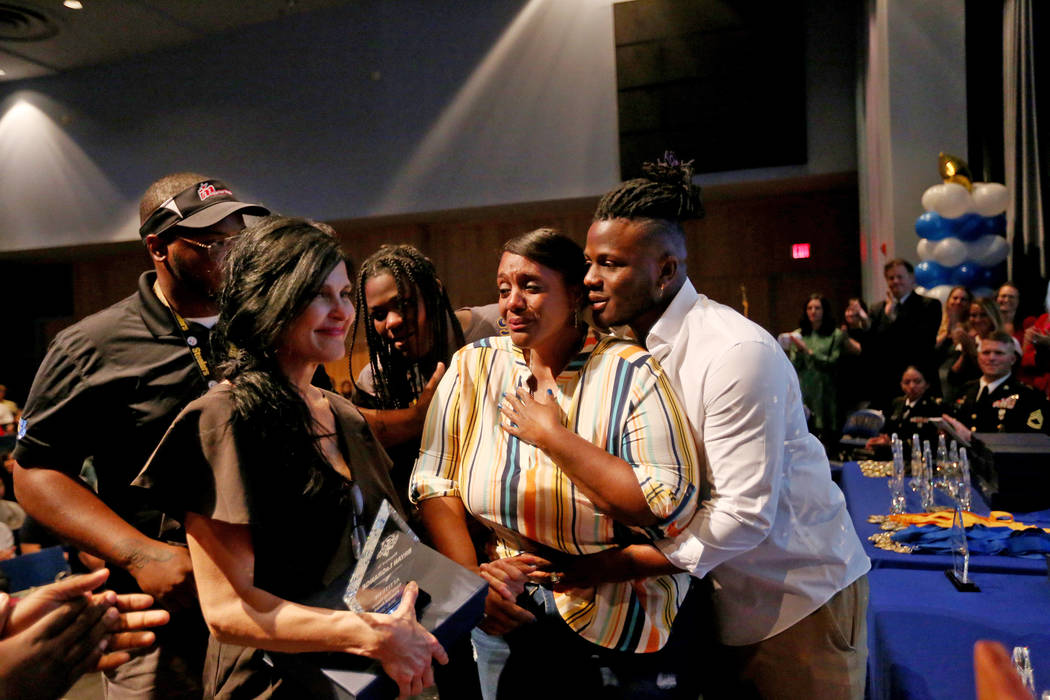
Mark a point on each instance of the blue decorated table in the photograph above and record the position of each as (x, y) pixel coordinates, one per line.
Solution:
(867, 496)
(921, 631)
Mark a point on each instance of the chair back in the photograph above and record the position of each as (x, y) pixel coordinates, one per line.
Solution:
(36, 569)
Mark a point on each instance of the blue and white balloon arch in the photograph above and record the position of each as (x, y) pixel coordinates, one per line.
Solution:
(962, 239)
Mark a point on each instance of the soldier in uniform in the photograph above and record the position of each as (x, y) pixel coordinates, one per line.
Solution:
(998, 402)
(910, 413)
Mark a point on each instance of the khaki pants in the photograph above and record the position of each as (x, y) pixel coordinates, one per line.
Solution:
(822, 656)
(170, 669)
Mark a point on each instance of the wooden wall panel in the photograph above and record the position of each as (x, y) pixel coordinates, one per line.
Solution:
(745, 239)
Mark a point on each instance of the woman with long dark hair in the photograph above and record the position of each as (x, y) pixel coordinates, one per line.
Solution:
(276, 478)
(510, 418)
(815, 349)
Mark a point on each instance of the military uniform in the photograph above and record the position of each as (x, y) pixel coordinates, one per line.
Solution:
(906, 420)
(1011, 408)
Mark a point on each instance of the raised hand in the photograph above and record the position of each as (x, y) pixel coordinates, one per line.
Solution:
(46, 657)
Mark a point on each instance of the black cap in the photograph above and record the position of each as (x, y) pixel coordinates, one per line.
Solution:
(204, 204)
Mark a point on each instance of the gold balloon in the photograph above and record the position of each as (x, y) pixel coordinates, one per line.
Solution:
(954, 169)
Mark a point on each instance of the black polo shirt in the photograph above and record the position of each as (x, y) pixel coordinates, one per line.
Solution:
(108, 389)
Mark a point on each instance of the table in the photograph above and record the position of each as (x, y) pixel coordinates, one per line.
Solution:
(921, 631)
(869, 496)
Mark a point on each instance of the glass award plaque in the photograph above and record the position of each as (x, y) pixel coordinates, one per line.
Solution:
(390, 556)
(384, 565)
(959, 574)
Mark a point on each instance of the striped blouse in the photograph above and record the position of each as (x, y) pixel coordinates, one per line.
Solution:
(612, 393)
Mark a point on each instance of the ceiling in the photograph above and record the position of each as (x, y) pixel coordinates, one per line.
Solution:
(42, 37)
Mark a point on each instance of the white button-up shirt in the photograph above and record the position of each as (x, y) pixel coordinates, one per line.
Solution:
(773, 532)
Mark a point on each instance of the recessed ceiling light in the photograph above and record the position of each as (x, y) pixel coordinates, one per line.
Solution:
(3, 72)
(73, 4)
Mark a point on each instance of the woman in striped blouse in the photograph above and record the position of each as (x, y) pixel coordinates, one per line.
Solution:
(617, 414)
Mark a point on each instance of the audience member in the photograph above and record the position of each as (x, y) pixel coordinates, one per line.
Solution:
(12, 517)
(903, 331)
(998, 402)
(549, 386)
(277, 478)
(814, 351)
(9, 412)
(982, 321)
(58, 632)
(951, 341)
(910, 413)
(772, 531)
(138, 363)
(1007, 299)
(8, 550)
(1035, 361)
(7, 475)
(854, 379)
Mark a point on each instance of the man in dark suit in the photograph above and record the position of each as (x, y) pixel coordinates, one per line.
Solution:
(998, 402)
(903, 332)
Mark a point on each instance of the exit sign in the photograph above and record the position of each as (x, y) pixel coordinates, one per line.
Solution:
(800, 250)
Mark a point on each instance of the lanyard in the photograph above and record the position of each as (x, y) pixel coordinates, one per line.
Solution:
(191, 340)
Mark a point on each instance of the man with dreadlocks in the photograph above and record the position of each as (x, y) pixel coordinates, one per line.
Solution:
(772, 533)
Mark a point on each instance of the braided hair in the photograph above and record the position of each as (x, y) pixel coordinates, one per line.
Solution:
(666, 193)
(397, 381)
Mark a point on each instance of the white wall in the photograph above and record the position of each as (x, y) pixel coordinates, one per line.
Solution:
(920, 111)
(371, 108)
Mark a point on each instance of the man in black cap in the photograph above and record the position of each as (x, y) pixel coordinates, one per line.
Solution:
(107, 390)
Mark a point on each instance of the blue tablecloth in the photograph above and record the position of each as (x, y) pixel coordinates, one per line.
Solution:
(871, 496)
(921, 631)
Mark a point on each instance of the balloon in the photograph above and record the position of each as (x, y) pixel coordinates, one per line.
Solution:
(925, 248)
(967, 227)
(966, 274)
(988, 250)
(949, 252)
(929, 274)
(940, 292)
(990, 198)
(950, 200)
(933, 226)
(921, 290)
(990, 225)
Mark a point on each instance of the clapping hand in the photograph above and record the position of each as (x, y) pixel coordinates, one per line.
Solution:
(58, 632)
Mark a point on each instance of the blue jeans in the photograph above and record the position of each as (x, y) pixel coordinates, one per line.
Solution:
(491, 653)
